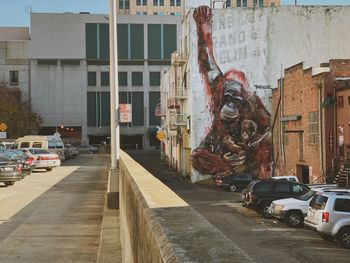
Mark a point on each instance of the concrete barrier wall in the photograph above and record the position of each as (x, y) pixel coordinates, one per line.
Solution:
(158, 226)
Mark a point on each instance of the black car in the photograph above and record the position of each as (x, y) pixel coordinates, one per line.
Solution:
(10, 171)
(18, 156)
(235, 181)
(260, 193)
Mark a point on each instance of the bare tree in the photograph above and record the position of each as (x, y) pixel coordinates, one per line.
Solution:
(16, 112)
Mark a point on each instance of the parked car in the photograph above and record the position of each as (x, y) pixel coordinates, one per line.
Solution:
(235, 181)
(87, 148)
(19, 157)
(43, 159)
(259, 194)
(51, 143)
(329, 215)
(294, 210)
(292, 178)
(70, 151)
(10, 171)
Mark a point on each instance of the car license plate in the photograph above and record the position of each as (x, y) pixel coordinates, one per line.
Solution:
(8, 169)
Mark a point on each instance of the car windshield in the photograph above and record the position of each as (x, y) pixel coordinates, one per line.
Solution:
(306, 196)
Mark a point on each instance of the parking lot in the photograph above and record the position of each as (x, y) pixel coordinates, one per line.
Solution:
(264, 240)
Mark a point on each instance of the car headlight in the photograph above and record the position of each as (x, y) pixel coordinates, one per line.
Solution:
(279, 207)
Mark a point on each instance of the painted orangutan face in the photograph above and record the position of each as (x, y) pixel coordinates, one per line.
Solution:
(233, 98)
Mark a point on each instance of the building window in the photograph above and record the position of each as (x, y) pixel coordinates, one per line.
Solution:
(14, 77)
(172, 2)
(123, 78)
(178, 2)
(154, 78)
(228, 3)
(124, 4)
(105, 78)
(272, 4)
(154, 99)
(98, 109)
(136, 79)
(91, 78)
(161, 2)
(341, 102)
(162, 41)
(155, 2)
(97, 41)
(261, 3)
(138, 2)
(130, 41)
(349, 101)
(255, 3)
(313, 127)
(144, 13)
(144, 2)
(239, 3)
(136, 100)
(244, 3)
(172, 14)
(155, 13)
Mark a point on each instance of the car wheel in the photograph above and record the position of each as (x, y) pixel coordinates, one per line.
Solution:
(9, 183)
(49, 169)
(343, 237)
(264, 210)
(294, 219)
(232, 188)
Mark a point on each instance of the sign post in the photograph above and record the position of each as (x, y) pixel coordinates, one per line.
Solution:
(125, 112)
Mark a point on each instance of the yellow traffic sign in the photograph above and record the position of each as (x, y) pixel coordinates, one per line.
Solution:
(3, 127)
(160, 135)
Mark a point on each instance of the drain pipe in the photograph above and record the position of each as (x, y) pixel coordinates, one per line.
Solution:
(320, 122)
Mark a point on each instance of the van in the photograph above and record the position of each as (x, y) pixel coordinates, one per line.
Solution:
(52, 143)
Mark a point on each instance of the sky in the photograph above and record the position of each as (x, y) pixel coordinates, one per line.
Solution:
(15, 13)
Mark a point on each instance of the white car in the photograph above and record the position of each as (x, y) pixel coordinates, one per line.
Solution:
(43, 159)
(294, 210)
(329, 215)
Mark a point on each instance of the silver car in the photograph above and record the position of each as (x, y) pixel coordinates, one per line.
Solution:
(329, 215)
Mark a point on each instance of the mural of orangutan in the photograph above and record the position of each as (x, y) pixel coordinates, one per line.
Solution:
(239, 137)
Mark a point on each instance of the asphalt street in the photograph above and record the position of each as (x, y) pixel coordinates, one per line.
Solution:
(55, 216)
(264, 240)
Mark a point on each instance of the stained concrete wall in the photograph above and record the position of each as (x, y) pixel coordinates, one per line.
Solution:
(158, 226)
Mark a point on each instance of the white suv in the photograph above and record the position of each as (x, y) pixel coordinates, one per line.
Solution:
(293, 210)
(329, 215)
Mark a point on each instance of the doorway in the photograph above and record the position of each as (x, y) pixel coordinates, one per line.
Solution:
(303, 173)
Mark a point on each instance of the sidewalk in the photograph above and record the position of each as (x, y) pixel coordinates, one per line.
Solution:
(110, 246)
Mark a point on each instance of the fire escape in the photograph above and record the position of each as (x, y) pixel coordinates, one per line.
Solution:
(177, 94)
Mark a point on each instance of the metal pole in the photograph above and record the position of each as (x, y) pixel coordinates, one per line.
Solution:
(113, 73)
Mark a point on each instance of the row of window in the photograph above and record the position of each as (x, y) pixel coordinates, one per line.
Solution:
(98, 105)
(161, 39)
(157, 2)
(244, 3)
(136, 78)
(158, 13)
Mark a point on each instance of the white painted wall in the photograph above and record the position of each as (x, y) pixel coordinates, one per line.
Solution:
(267, 38)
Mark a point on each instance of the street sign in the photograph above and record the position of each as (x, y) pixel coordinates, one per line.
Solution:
(160, 135)
(3, 135)
(125, 113)
(3, 127)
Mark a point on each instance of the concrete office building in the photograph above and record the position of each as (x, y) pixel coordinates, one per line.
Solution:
(151, 7)
(14, 54)
(70, 73)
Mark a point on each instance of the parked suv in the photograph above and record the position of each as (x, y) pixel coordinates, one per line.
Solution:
(329, 215)
(293, 210)
(260, 194)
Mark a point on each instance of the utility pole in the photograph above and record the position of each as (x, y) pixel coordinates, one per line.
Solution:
(114, 91)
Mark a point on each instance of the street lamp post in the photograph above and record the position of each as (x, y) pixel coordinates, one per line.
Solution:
(113, 73)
